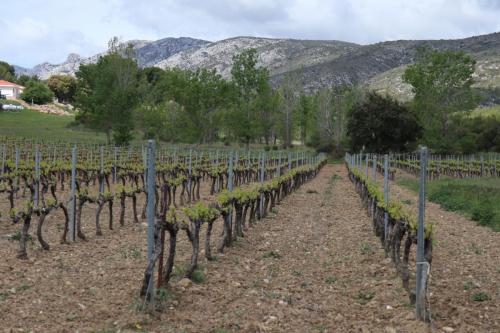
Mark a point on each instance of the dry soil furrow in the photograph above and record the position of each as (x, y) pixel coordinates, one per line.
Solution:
(466, 262)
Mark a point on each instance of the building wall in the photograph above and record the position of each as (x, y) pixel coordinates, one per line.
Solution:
(11, 92)
(8, 91)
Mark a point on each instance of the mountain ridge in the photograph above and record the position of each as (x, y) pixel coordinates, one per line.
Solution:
(317, 63)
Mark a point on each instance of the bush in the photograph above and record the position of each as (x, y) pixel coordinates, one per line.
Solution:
(382, 124)
(483, 213)
(37, 92)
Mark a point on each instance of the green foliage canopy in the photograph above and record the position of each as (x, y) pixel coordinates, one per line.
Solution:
(7, 72)
(37, 92)
(63, 86)
(441, 81)
(381, 124)
(107, 94)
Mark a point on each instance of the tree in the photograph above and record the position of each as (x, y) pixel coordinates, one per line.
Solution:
(304, 115)
(266, 105)
(7, 72)
(63, 86)
(289, 92)
(24, 79)
(163, 122)
(381, 124)
(37, 92)
(442, 83)
(107, 93)
(331, 109)
(248, 80)
(202, 95)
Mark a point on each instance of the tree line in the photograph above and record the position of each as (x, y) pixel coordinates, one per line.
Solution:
(116, 97)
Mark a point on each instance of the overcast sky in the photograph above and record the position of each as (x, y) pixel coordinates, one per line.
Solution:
(34, 31)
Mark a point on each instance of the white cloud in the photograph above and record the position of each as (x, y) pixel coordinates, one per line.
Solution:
(37, 31)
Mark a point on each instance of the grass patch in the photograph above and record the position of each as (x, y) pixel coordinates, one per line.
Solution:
(36, 125)
(365, 296)
(331, 280)
(366, 249)
(481, 297)
(271, 254)
(132, 253)
(409, 183)
(477, 199)
(468, 285)
(17, 237)
(198, 276)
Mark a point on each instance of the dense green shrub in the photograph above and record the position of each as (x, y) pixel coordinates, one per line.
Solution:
(37, 92)
(382, 124)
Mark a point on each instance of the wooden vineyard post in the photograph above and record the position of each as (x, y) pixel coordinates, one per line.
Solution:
(37, 176)
(150, 210)
(482, 165)
(230, 183)
(16, 167)
(386, 196)
(279, 164)
(289, 161)
(115, 163)
(374, 168)
(4, 151)
(217, 182)
(72, 198)
(422, 265)
(145, 166)
(262, 171)
(101, 176)
(366, 164)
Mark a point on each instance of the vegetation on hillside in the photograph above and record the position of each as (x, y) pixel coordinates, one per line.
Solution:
(37, 92)
(121, 100)
(369, 122)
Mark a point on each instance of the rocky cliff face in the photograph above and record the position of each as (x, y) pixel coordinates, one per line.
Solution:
(318, 64)
(278, 55)
(147, 53)
(154, 52)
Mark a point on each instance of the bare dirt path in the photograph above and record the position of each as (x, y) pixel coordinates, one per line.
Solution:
(466, 264)
(314, 265)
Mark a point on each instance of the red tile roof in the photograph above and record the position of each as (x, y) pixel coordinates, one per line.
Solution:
(4, 83)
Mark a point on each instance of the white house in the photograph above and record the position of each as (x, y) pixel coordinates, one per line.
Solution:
(10, 90)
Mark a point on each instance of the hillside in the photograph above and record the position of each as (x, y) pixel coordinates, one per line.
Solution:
(148, 53)
(486, 76)
(318, 64)
(278, 55)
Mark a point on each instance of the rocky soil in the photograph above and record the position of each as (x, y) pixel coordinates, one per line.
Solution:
(314, 265)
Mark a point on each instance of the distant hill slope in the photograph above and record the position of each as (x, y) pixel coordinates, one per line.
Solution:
(148, 53)
(318, 64)
(366, 62)
(487, 75)
(278, 55)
